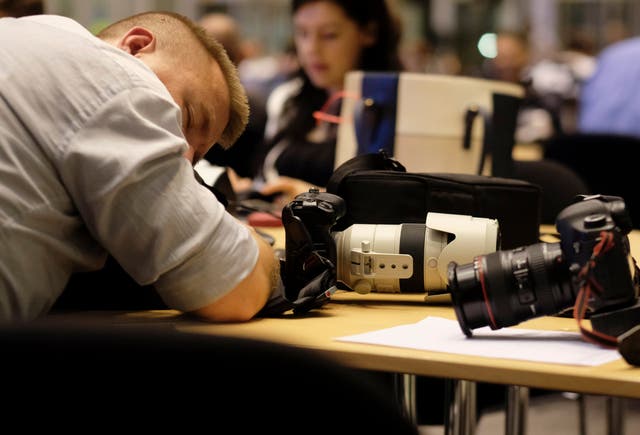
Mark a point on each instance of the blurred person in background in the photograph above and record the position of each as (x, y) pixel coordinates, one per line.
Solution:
(21, 8)
(416, 54)
(242, 158)
(512, 63)
(422, 56)
(331, 37)
(609, 98)
(557, 80)
(551, 84)
(512, 58)
(259, 72)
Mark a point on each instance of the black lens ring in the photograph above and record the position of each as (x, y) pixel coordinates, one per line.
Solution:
(412, 243)
(497, 288)
(539, 272)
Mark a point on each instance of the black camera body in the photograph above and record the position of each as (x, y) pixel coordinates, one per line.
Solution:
(318, 211)
(580, 226)
(309, 247)
(507, 287)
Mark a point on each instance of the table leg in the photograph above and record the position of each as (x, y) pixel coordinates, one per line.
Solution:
(517, 405)
(582, 415)
(615, 415)
(615, 410)
(461, 411)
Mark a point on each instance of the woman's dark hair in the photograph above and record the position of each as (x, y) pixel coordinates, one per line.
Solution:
(21, 8)
(381, 56)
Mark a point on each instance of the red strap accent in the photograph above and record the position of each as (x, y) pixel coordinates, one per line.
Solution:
(322, 115)
(590, 285)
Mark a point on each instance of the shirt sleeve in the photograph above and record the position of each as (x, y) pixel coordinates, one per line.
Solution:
(138, 196)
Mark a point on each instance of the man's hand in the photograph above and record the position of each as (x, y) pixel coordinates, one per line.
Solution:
(287, 188)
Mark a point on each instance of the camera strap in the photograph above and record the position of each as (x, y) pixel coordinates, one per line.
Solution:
(314, 294)
(628, 342)
(629, 346)
(307, 278)
(591, 287)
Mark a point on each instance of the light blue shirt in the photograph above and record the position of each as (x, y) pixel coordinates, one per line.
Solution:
(610, 98)
(91, 161)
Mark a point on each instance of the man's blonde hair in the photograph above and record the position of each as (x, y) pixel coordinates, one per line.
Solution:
(177, 29)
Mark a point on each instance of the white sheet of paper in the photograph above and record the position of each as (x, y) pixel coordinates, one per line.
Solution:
(443, 335)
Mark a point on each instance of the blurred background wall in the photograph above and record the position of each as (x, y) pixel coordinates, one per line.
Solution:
(445, 26)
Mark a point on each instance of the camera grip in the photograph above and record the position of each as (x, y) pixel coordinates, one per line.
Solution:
(306, 273)
(315, 293)
(629, 346)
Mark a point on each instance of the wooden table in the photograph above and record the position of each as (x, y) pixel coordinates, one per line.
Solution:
(351, 313)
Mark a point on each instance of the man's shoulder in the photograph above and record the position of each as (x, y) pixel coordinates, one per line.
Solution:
(58, 22)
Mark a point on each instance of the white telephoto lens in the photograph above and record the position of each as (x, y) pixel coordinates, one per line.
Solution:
(410, 258)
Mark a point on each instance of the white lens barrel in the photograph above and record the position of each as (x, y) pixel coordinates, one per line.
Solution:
(410, 257)
(469, 237)
(369, 258)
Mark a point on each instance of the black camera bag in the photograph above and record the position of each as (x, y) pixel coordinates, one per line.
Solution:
(378, 190)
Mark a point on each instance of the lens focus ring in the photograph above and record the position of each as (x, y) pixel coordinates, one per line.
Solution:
(539, 273)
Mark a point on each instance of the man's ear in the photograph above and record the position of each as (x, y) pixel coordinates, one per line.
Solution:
(138, 40)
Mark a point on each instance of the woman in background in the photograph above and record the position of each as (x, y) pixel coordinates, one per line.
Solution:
(21, 8)
(331, 37)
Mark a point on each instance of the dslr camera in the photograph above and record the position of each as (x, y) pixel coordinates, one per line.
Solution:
(504, 288)
(408, 257)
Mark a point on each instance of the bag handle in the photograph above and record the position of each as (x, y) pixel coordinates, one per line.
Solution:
(363, 162)
(472, 112)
